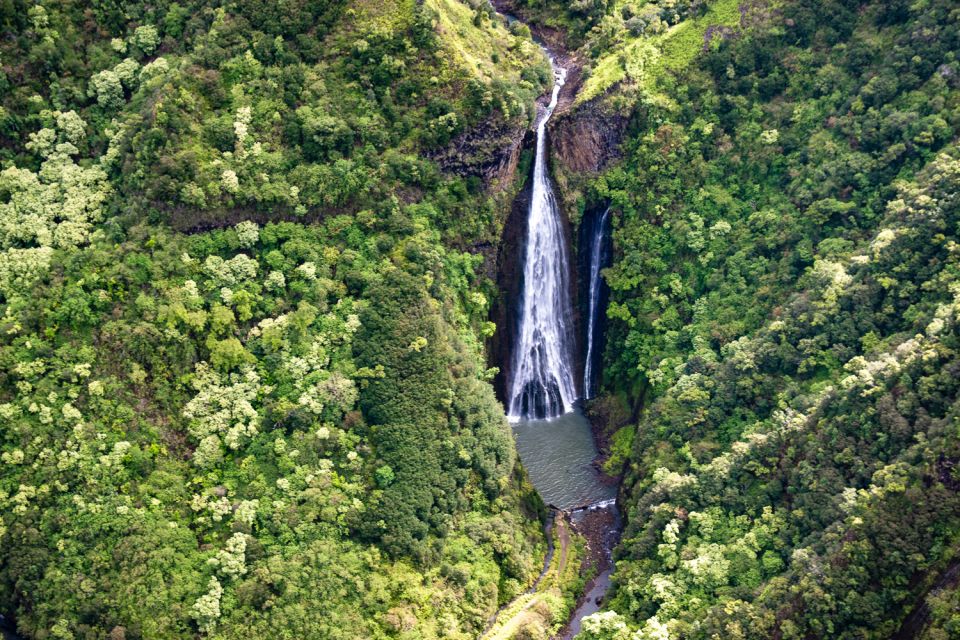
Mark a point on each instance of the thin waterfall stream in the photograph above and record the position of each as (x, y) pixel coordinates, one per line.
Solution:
(597, 237)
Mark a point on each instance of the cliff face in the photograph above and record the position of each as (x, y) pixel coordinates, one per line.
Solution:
(490, 151)
(583, 142)
(509, 276)
(587, 138)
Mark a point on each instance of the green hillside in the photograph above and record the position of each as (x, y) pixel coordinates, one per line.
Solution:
(782, 316)
(242, 392)
(248, 254)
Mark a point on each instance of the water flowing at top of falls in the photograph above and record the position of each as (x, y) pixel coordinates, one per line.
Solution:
(543, 383)
(593, 302)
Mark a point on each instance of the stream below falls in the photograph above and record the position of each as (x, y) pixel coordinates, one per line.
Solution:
(553, 437)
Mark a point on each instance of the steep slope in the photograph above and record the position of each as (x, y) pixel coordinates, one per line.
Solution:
(782, 312)
(242, 392)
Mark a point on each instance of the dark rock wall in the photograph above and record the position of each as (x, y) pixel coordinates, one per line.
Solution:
(490, 150)
(589, 227)
(509, 267)
(587, 138)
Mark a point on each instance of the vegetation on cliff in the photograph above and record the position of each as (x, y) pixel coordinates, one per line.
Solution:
(242, 389)
(783, 309)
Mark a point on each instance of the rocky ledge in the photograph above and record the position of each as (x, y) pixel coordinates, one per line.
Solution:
(587, 137)
(490, 150)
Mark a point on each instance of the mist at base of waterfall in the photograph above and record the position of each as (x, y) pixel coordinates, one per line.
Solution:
(558, 454)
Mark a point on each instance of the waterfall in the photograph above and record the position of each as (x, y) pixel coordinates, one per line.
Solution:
(593, 301)
(543, 384)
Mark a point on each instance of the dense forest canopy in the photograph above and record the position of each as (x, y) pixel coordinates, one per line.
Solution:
(246, 274)
(783, 309)
(242, 389)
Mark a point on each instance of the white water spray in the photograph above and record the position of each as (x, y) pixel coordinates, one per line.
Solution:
(543, 384)
(593, 302)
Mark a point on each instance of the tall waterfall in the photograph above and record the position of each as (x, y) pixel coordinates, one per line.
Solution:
(543, 384)
(593, 301)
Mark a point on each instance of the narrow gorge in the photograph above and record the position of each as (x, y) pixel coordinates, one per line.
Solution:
(554, 361)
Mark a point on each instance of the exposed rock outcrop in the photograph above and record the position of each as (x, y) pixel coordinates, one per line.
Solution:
(587, 137)
(490, 150)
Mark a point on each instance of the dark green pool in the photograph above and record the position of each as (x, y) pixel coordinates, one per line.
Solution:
(557, 454)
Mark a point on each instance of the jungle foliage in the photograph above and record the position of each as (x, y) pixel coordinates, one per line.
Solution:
(242, 391)
(784, 308)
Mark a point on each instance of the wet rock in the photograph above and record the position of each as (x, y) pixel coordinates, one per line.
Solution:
(509, 277)
(601, 530)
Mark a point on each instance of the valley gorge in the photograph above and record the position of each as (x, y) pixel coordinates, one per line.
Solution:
(470, 319)
(551, 347)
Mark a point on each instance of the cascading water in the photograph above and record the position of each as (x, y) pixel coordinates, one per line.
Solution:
(593, 301)
(543, 384)
(553, 437)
